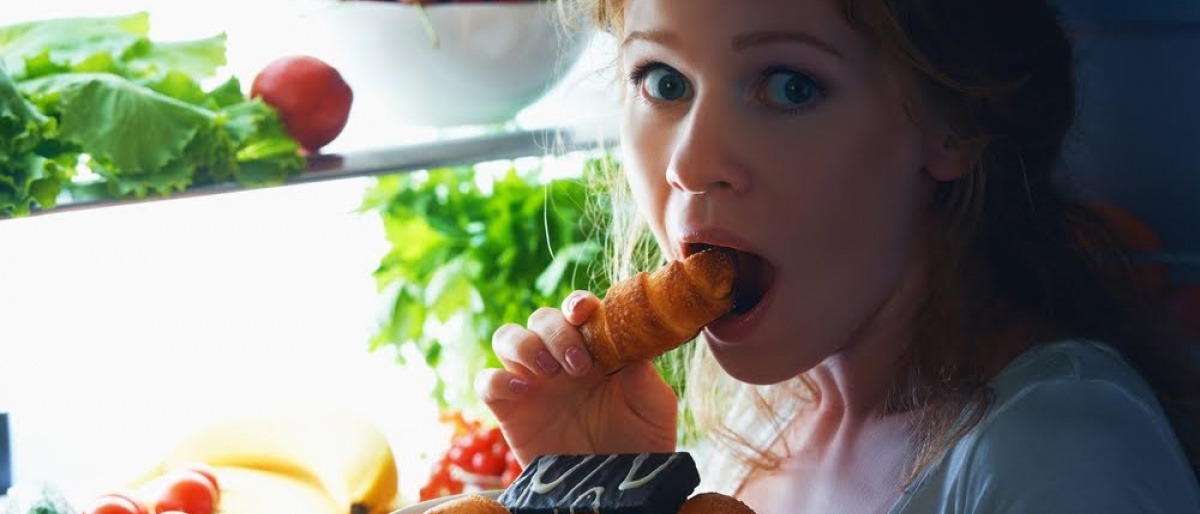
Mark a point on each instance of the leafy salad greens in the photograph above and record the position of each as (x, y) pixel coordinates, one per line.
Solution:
(91, 106)
(471, 250)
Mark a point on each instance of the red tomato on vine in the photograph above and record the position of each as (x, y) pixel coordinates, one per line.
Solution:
(188, 491)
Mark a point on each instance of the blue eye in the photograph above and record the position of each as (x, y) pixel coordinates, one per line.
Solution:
(664, 83)
(788, 89)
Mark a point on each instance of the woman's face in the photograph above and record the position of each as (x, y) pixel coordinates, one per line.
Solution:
(772, 127)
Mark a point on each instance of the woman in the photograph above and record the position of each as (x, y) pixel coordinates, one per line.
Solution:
(924, 327)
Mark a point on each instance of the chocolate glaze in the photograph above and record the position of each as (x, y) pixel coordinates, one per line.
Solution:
(618, 483)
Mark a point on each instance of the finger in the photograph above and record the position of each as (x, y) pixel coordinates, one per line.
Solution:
(578, 306)
(523, 351)
(562, 340)
(495, 385)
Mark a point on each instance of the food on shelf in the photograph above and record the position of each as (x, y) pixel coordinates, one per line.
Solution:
(116, 503)
(190, 489)
(99, 94)
(620, 483)
(35, 498)
(187, 491)
(346, 458)
(246, 491)
(311, 96)
(714, 503)
(651, 313)
(208, 473)
(470, 504)
(478, 459)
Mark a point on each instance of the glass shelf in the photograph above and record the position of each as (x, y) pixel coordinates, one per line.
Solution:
(481, 146)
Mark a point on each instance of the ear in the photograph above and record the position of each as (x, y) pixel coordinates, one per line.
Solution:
(953, 157)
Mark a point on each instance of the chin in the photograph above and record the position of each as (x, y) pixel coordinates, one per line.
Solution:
(756, 365)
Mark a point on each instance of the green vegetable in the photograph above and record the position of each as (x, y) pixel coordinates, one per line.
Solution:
(98, 92)
(470, 252)
(26, 175)
(41, 498)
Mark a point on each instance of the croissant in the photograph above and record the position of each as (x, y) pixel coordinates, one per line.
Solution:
(714, 503)
(650, 313)
(469, 504)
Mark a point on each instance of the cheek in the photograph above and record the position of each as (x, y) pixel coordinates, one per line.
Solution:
(644, 157)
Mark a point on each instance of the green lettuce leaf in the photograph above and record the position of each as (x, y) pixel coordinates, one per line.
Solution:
(98, 91)
(64, 43)
(130, 131)
(25, 176)
(200, 59)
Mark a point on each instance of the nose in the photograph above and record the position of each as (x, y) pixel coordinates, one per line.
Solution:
(703, 158)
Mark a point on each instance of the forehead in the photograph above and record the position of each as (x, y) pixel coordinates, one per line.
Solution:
(711, 25)
(714, 28)
(707, 18)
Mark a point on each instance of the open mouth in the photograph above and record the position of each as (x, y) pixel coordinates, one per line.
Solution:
(755, 275)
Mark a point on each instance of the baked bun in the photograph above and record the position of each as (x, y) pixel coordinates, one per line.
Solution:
(470, 504)
(714, 503)
(651, 313)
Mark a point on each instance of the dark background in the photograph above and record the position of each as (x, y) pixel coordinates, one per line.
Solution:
(1137, 143)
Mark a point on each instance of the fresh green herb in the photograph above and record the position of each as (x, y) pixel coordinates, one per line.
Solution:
(97, 93)
(471, 251)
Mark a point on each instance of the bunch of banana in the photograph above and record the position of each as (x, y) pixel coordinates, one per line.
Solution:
(339, 456)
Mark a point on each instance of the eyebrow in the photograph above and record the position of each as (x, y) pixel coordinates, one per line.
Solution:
(654, 36)
(740, 42)
(744, 41)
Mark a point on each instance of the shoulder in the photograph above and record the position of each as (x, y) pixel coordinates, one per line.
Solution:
(1073, 429)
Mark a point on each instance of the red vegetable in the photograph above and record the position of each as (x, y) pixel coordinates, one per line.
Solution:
(312, 98)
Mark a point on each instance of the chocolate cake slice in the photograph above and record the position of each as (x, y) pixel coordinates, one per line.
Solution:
(618, 483)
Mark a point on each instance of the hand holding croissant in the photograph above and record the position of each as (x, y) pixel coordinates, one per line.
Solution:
(651, 313)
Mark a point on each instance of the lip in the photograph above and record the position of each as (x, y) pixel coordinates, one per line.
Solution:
(713, 237)
(733, 328)
(730, 328)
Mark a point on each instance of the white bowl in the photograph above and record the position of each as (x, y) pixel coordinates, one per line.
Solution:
(490, 60)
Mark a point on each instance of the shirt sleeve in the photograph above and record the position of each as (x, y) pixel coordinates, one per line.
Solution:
(1077, 447)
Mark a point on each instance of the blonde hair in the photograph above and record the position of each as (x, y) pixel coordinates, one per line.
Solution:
(1009, 242)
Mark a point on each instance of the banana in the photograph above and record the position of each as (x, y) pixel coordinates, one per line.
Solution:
(345, 456)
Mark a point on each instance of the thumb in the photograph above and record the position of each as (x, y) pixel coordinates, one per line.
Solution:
(579, 306)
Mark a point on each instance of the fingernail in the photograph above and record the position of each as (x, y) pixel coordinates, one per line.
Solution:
(577, 360)
(547, 363)
(572, 302)
(518, 386)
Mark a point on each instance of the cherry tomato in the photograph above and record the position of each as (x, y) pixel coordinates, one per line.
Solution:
(460, 457)
(479, 445)
(486, 463)
(511, 461)
(208, 473)
(115, 503)
(187, 491)
(493, 436)
(499, 449)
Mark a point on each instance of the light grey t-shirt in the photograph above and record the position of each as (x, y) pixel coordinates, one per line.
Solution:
(1074, 430)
